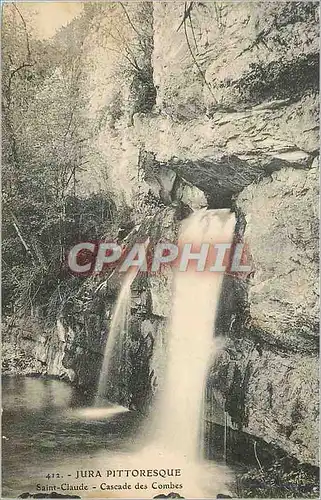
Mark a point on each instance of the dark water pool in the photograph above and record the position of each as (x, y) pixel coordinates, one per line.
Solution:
(48, 427)
(51, 431)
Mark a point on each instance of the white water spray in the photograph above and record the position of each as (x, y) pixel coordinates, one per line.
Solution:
(191, 342)
(117, 331)
(177, 414)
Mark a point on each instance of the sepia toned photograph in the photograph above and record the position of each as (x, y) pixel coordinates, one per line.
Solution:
(160, 249)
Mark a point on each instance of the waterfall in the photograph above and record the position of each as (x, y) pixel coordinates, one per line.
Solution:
(171, 438)
(191, 341)
(117, 331)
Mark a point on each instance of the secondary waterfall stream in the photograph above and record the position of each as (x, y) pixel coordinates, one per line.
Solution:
(117, 330)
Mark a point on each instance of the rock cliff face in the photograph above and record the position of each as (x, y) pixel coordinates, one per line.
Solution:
(206, 104)
(273, 345)
(236, 94)
(234, 124)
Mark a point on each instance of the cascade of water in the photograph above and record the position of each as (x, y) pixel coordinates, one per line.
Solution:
(176, 415)
(191, 344)
(117, 330)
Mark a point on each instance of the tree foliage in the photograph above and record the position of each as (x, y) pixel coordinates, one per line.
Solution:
(44, 135)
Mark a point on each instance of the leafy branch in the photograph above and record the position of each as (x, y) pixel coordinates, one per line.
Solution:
(25, 30)
(187, 15)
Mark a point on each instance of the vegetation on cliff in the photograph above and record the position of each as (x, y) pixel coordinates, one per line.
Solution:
(43, 153)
